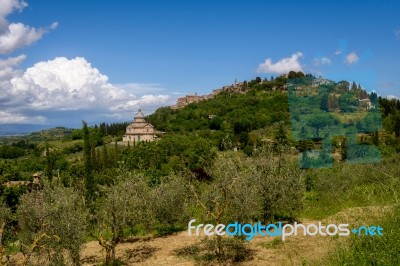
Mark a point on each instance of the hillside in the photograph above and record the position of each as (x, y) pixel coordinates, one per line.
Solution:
(246, 114)
(231, 157)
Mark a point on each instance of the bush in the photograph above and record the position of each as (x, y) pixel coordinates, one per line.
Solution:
(11, 152)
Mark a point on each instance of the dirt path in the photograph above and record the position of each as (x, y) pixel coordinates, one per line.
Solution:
(296, 250)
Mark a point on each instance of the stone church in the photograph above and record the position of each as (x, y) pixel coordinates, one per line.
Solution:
(140, 130)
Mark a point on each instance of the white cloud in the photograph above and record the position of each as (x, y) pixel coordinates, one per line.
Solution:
(67, 85)
(386, 84)
(351, 58)
(17, 35)
(54, 26)
(16, 118)
(12, 61)
(284, 65)
(8, 69)
(321, 61)
(145, 100)
(392, 97)
(8, 6)
(397, 33)
(337, 52)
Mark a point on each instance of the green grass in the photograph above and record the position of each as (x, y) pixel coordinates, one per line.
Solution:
(350, 185)
(274, 244)
(345, 118)
(376, 250)
(319, 206)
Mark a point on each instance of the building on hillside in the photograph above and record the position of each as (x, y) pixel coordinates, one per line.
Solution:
(34, 184)
(321, 81)
(365, 103)
(140, 130)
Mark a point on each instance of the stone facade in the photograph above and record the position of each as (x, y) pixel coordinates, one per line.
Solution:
(140, 130)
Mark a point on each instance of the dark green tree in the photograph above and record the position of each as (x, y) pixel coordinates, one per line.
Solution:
(104, 157)
(281, 141)
(88, 167)
(292, 74)
(94, 158)
(353, 87)
(375, 138)
(324, 102)
(343, 150)
(49, 163)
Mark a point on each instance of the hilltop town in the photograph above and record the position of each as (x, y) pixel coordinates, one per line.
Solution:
(236, 87)
(244, 86)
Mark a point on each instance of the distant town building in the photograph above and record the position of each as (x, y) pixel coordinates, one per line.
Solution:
(365, 103)
(140, 130)
(236, 87)
(34, 184)
(321, 81)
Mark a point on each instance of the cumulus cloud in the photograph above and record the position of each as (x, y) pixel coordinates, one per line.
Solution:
(321, 61)
(351, 58)
(17, 35)
(284, 65)
(69, 85)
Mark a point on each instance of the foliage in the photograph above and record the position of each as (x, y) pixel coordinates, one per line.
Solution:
(11, 152)
(52, 220)
(155, 188)
(5, 215)
(173, 153)
(122, 205)
(88, 164)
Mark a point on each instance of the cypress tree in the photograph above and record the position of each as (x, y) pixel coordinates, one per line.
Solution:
(343, 150)
(87, 158)
(375, 138)
(105, 157)
(116, 152)
(94, 157)
(49, 164)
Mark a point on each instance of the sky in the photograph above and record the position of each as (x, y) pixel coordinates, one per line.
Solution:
(65, 61)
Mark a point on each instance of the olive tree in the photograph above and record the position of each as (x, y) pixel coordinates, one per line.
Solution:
(229, 197)
(51, 221)
(5, 214)
(170, 201)
(121, 206)
(278, 182)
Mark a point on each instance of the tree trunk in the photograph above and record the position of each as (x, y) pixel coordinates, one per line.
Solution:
(113, 253)
(3, 225)
(76, 258)
(108, 255)
(219, 246)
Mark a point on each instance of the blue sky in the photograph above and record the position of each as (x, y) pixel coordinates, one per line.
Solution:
(155, 51)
